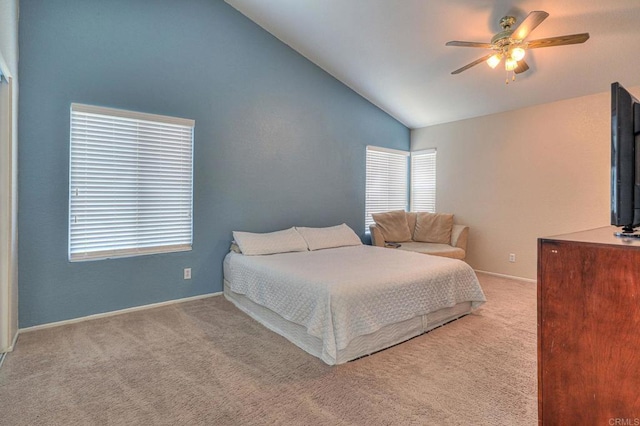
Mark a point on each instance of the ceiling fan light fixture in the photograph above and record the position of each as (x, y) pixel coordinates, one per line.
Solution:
(494, 60)
(511, 43)
(517, 53)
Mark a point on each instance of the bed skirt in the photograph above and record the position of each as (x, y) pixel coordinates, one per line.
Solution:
(360, 346)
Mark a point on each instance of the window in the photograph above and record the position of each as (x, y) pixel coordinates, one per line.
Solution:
(423, 181)
(130, 181)
(386, 181)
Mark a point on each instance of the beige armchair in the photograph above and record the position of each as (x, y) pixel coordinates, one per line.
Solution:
(456, 249)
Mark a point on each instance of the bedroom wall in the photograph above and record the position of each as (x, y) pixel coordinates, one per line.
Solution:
(278, 142)
(517, 176)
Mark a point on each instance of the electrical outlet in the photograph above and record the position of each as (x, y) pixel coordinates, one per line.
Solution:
(187, 273)
(512, 257)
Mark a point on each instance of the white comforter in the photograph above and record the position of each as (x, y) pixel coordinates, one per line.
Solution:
(338, 294)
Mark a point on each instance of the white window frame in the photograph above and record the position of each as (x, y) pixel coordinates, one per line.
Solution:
(386, 181)
(130, 183)
(423, 180)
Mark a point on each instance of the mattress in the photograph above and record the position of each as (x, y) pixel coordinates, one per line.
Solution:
(339, 304)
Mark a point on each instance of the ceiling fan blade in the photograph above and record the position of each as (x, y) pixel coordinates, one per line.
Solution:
(468, 44)
(472, 64)
(558, 41)
(532, 20)
(522, 67)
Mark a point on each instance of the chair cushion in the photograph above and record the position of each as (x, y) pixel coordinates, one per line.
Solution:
(393, 225)
(433, 228)
(444, 250)
(411, 220)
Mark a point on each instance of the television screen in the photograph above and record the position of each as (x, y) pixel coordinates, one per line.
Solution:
(625, 159)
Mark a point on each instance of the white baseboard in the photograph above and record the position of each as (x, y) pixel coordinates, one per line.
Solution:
(13, 344)
(3, 355)
(9, 349)
(171, 302)
(511, 277)
(113, 313)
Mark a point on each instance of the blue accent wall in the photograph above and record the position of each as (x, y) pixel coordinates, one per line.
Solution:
(278, 141)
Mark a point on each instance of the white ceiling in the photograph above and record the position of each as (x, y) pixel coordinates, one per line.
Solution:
(393, 52)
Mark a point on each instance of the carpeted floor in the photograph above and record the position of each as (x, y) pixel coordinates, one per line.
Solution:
(205, 362)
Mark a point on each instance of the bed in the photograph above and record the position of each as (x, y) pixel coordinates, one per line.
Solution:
(342, 303)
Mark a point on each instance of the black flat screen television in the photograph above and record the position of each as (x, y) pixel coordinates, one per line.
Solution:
(625, 159)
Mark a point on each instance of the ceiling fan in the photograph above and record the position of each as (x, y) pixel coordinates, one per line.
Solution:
(510, 45)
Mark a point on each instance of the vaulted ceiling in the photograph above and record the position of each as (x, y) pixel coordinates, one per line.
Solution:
(393, 52)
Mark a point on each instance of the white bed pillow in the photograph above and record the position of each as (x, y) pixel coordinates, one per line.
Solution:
(253, 244)
(331, 237)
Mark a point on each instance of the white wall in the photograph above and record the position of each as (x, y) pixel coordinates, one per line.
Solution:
(8, 175)
(516, 176)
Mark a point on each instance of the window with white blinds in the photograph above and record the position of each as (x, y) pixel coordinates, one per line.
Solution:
(386, 181)
(423, 181)
(131, 183)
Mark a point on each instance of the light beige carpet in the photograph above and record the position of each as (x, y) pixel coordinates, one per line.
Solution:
(205, 362)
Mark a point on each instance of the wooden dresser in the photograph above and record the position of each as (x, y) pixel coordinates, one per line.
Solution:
(589, 329)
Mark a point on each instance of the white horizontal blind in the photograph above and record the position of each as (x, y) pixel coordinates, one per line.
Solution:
(131, 183)
(423, 181)
(386, 182)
